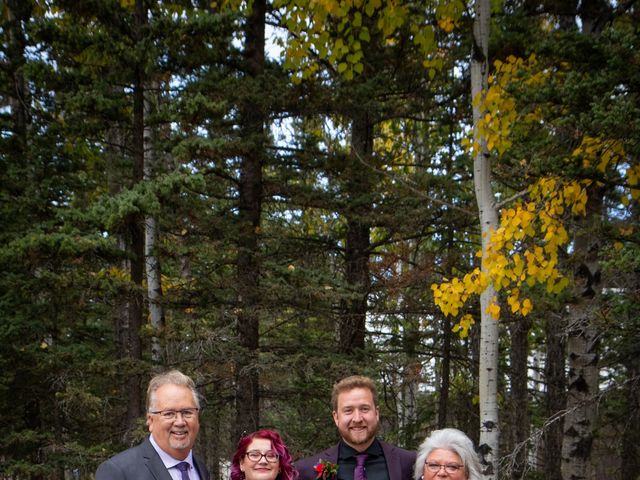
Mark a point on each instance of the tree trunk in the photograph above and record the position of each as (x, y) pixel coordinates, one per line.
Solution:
(582, 349)
(132, 342)
(520, 422)
(152, 263)
(17, 93)
(250, 208)
(631, 435)
(445, 373)
(582, 335)
(555, 399)
(631, 362)
(489, 331)
(410, 389)
(351, 326)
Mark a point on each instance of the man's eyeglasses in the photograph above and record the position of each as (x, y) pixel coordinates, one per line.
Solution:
(449, 467)
(187, 413)
(256, 456)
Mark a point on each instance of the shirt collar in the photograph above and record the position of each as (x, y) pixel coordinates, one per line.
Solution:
(346, 451)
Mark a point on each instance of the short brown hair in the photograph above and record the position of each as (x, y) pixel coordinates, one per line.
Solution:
(171, 377)
(349, 383)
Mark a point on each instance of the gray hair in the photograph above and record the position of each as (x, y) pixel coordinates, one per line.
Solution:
(172, 377)
(455, 441)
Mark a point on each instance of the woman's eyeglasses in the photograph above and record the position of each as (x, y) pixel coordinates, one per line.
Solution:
(256, 456)
(449, 467)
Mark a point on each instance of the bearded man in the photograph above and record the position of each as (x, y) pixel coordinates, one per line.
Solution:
(359, 455)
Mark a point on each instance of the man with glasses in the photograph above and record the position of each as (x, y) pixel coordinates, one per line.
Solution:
(173, 406)
(359, 455)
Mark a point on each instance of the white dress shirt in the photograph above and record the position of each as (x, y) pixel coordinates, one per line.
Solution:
(171, 462)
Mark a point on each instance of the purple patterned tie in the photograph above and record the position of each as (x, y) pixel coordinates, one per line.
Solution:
(184, 470)
(359, 473)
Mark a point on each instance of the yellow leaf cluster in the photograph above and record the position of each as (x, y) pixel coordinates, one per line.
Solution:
(599, 153)
(451, 296)
(494, 310)
(463, 326)
(449, 13)
(499, 106)
(608, 155)
(522, 251)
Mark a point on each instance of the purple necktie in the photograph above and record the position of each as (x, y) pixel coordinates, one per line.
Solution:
(359, 472)
(184, 470)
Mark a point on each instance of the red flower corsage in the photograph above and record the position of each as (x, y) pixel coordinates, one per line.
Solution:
(326, 470)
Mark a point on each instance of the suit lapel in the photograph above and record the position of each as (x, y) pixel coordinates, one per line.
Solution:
(331, 454)
(201, 471)
(154, 463)
(393, 465)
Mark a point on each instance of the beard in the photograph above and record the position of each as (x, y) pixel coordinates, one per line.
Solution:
(359, 435)
(180, 443)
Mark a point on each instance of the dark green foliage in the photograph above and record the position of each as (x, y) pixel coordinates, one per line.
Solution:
(72, 193)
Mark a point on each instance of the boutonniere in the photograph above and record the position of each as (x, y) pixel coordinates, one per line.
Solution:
(326, 470)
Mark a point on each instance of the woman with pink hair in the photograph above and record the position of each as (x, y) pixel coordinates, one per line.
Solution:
(262, 455)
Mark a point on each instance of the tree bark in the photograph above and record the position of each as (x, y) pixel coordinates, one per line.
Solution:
(445, 373)
(489, 331)
(582, 342)
(152, 263)
(410, 388)
(519, 331)
(555, 400)
(134, 237)
(351, 325)
(631, 362)
(250, 208)
(631, 435)
(17, 93)
(582, 348)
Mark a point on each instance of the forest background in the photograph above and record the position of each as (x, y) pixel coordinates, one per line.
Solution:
(271, 196)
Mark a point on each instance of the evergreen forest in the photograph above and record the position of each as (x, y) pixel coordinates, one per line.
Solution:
(270, 195)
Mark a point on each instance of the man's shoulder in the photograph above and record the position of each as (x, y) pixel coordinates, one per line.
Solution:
(403, 454)
(305, 466)
(330, 454)
(142, 449)
(121, 464)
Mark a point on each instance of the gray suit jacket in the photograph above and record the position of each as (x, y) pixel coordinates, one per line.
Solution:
(400, 462)
(141, 462)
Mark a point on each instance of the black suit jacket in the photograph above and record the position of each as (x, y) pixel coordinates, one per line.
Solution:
(141, 462)
(400, 462)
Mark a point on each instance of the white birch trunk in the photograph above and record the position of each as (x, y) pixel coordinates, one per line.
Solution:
(152, 265)
(489, 332)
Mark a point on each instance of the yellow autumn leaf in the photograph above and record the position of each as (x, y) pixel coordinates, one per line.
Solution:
(527, 306)
(494, 310)
(463, 326)
(514, 303)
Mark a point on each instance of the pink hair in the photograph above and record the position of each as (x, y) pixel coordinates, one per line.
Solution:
(287, 470)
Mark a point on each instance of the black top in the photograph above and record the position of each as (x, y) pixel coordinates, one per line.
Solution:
(375, 465)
